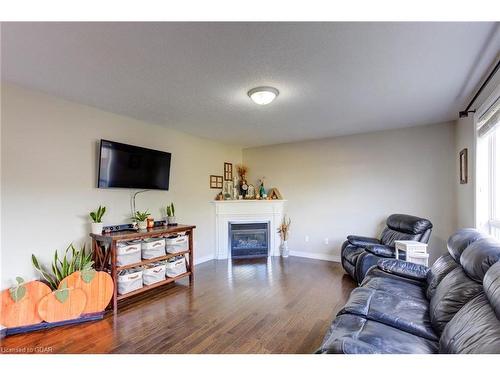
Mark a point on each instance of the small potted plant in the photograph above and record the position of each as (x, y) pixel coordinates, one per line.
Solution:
(142, 219)
(284, 231)
(96, 217)
(171, 214)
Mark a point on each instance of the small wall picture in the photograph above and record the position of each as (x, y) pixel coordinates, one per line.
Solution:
(228, 172)
(464, 177)
(216, 182)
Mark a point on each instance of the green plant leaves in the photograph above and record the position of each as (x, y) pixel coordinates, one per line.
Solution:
(73, 260)
(97, 215)
(48, 277)
(19, 291)
(62, 294)
(141, 216)
(88, 275)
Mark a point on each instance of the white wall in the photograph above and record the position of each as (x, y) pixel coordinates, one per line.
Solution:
(48, 160)
(349, 185)
(465, 136)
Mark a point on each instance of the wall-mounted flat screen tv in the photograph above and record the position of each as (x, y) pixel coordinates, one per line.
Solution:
(127, 166)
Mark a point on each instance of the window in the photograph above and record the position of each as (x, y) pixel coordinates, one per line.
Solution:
(488, 170)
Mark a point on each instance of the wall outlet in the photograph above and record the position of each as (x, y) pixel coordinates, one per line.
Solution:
(306, 238)
(326, 241)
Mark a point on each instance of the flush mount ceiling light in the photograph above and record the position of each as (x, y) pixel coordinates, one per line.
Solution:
(263, 95)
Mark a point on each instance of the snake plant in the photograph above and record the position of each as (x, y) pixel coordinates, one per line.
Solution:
(73, 260)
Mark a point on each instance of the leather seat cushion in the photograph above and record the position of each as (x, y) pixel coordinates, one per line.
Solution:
(348, 329)
(407, 314)
(397, 285)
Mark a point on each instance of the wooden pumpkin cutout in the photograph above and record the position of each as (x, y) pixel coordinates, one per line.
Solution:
(62, 304)
(97, 286)
(19, 304)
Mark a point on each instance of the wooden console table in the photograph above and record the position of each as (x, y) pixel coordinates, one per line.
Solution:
(104, 255)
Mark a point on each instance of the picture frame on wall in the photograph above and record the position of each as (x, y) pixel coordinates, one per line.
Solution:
(228, 171)
(216, 182)
(463, 162)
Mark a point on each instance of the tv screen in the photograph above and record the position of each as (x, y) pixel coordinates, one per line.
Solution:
(126, 166)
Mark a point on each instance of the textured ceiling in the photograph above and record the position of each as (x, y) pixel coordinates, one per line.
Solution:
(333, 78)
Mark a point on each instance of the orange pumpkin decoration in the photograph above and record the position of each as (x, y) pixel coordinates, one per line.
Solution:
(97, 285)
(19, 304)
(62, 304)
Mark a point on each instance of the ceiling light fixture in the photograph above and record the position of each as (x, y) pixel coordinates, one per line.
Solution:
(263, 95)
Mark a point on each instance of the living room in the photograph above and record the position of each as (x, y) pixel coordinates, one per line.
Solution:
(250, 187)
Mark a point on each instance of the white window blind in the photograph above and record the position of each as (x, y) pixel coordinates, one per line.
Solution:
(489, 120)
(488, 153)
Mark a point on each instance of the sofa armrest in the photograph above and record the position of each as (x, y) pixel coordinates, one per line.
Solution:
(361, 241)
(381, 250)
(404, 269)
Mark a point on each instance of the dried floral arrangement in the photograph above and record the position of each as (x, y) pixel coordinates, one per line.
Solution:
(242, 171)
(284, 228)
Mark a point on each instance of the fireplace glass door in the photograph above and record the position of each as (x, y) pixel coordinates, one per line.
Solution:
(248, 240)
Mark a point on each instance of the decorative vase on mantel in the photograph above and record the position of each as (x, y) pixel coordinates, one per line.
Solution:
(284, 252)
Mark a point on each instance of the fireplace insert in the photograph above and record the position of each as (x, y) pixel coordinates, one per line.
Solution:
(249, 240)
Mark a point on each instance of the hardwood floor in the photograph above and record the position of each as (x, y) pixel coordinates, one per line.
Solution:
(245, 306)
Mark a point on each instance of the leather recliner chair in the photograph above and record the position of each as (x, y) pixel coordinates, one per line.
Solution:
(401, 307)
(360, 253)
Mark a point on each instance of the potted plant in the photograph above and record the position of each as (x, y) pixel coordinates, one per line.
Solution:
(284, 231)
(171, 214)
(141, 218)
(96, 217)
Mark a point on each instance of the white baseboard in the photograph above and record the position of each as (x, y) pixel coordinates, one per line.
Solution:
(321, 256)
(203, 259)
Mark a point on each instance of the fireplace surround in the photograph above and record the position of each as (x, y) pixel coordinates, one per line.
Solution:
(246, 212)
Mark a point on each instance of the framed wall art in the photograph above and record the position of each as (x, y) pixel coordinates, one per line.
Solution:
(464, 173)
(228, 172)
(216, 182)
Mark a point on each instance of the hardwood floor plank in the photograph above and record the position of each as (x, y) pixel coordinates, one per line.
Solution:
(246, 306)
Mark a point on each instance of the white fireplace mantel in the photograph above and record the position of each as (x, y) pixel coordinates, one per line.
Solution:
(247, 211)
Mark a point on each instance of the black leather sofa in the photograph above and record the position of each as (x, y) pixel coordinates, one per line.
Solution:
(400, 307)
(360, 253)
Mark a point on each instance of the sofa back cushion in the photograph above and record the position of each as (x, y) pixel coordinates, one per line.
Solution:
(451, 294)
(476, 327)
(460, 240)
(408, 224)
(404, 228)
(389, 236)
(441, 267)
(479, 256)
(491, 285)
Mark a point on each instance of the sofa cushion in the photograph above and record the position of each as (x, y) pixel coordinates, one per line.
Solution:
(474, 329)
(408, 224)
(407, 314)
(479, 256)
(361, 241)
(397, 285)
(381, 250)
(452, 293)
(349, 332)
(491, 285)
(404, 269)
(390, 236)
(459, 241)
(441, 267)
